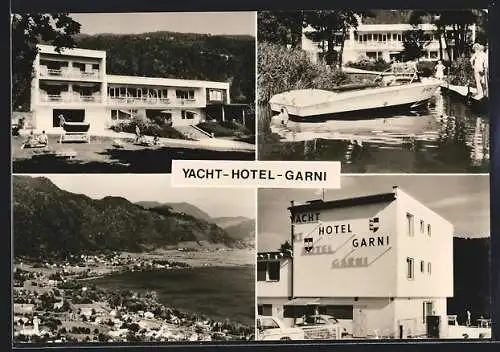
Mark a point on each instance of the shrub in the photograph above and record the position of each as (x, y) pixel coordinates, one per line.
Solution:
(148, 128)
(461, 72)
(282, 69)
(369, 65)
(426, 68)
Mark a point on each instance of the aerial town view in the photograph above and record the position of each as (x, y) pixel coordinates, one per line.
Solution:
(91, 93)
(112, 264)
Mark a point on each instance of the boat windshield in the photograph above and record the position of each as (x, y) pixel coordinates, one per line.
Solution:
(398, 74)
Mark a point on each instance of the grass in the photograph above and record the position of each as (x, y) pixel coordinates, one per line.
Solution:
(100, 156)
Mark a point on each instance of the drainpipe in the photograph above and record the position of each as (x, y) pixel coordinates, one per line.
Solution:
(292, 235)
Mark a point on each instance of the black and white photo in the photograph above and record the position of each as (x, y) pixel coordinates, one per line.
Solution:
(129, 92)
(384, 257)
(382, 91)
(127, 258)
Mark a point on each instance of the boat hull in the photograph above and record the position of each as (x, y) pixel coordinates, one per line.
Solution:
(354, 103)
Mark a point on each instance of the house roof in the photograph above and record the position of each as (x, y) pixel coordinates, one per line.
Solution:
(165, 82)
(343, 203)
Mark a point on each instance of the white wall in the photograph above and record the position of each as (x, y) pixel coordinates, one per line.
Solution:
(410, 314)
(314, 274)
(281, 288)
(436, 249)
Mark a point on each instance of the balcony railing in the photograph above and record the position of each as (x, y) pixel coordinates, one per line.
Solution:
(54, 98)
(140, 101)
(69, 72)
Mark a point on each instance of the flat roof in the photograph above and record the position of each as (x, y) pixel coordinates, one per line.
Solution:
(50, 49)
(168, 82)
(343, 203)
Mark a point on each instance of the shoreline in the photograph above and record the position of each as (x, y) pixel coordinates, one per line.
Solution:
(175, 324)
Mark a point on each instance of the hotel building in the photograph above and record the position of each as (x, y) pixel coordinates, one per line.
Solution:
(74, 83)
(382, 262)
(382, 41)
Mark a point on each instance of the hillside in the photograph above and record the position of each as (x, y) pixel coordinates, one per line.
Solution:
(51, 221)
(244, 232)
(181, 55)
(229, 220)
(471, 278)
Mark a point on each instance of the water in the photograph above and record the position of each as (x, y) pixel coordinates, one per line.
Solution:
(448, 137)
(217, 292)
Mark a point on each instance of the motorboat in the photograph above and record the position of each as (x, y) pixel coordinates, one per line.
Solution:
(399, 88)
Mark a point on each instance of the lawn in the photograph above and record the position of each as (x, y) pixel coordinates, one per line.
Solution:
(101, 156)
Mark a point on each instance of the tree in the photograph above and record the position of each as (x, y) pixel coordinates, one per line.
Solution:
(28, 30)
(286, 246)
(452, 28)
(332, 26)
(413, 44)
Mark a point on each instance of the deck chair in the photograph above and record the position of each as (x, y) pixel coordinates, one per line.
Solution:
(74, 132)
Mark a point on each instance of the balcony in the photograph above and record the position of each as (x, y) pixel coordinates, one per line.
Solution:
(65, 98)
(148, 101)
(72, 73)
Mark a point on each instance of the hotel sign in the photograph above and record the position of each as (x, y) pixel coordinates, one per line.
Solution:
(305, 218)
(314, 244)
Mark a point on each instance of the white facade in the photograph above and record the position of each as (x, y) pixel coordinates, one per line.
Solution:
(383, 261)
(74, 83)
(380, 41)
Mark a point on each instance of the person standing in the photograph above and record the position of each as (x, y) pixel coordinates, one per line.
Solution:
(439, 70)
(478, 65)
(468, 318)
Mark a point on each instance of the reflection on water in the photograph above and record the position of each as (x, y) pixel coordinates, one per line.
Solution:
(447, 137)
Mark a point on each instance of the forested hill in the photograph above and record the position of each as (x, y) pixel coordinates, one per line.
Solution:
(49, 221)
(471, 276)
(222, 58)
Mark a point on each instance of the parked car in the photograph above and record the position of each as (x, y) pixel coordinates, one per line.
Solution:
(272, 328)
(321, 326)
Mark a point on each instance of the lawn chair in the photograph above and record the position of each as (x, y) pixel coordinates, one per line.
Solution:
(75, 132)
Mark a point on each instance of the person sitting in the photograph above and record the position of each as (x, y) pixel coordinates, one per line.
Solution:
(156, 140)
(43, 139)
(33, 141)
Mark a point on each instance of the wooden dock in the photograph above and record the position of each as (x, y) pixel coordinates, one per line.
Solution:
(467, 94)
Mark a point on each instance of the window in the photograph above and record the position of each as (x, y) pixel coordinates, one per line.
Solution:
(409, 220)
(265, 309)
(409, 268)
(215, 95)
(273, 270)
(187, 115)
(433, 54)
(268, 271)
(429, 268)
(184, 94)
(428, 309)
(422, 266)
(422, 226)
(428, 229)
(394, 36)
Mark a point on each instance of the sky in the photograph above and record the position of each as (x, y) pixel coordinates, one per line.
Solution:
(461, 199)
(234, 23)
(217, 202)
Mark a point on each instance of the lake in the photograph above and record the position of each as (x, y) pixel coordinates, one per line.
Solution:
(217, 292)
(447, 137)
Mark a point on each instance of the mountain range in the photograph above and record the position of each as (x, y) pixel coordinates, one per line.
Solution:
(50, 221)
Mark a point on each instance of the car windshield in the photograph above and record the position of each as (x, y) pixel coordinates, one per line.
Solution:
(267, 323)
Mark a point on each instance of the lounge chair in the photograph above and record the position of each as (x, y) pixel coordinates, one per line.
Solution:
(75, 132)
